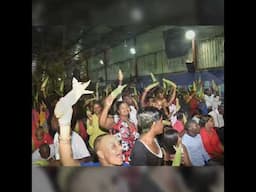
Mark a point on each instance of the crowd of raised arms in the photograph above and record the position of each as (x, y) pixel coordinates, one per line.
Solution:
(162, 125)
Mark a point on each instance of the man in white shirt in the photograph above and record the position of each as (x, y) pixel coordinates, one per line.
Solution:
(217, 117)
(79, 148)
(44, 152)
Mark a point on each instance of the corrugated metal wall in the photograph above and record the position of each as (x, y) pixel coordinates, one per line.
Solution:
(211, 53)
(151, 57)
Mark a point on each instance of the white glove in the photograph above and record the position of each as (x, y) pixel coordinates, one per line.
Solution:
(63, 112)
(63, 109)
(78, 89)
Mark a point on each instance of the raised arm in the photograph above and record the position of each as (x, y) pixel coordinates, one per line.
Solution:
(146, 90)
(105, 121)
(63, 111)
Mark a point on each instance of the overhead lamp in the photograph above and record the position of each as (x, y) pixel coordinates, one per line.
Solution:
(132, 50)
(190, 34)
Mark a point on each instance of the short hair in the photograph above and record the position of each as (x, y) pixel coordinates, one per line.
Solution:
(97, 141)
(204, 119)
(188, 124)
(44, 148)
(146, 117)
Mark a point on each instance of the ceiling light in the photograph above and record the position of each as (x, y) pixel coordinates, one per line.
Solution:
(190, 34)
(132, 50)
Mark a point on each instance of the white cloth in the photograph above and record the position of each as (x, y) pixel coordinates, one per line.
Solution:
(218, 118)
(133, 115)
(173, 110)
(79, 149)
(208, 100)
(37, 157)
(216, 102)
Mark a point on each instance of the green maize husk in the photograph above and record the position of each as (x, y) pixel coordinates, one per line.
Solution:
(117, 91)
(150, 86)
(165, 122)
(153, 77)
(42, 163)
(44, 83)
(177, 157)
(62, 87)
(168, 82)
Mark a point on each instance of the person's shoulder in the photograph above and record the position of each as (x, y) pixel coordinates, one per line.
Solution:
(125, 165)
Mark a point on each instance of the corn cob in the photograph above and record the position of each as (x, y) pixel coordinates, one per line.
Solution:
(165, 122)
(152, 85)
(214, 86)
(194, 86)
(62, 87)
(177, 157)
(153, 77)
(44, 83)
(97, 90)
(117, 91)
(42, 163)
(168, 82)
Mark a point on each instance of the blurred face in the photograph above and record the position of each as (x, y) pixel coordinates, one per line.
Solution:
(157, 104)
(210, 123)
(39, 134)
(111, 150)
(97, 109)
(44, 152)
(159, 126)
(54, 123)
(195, 128)
(128, 100)
(124, 109)
(160, 95)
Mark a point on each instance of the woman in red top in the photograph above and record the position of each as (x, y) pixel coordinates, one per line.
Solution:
(210, 138)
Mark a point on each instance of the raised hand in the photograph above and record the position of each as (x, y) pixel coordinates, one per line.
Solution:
(63, 109)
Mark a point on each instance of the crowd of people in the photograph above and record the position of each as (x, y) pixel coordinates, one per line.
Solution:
(162, 125)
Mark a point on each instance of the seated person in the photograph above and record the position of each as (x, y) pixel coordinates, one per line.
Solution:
(40, 137)
(44, 155)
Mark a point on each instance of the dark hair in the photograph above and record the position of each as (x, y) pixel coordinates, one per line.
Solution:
(146, 117)
(98, 102)
(118, 103)
(169, 139)
(188, 124)
(204, 119)
(159, 90)
(179, 115)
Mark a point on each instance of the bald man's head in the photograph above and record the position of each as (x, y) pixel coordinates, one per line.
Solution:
(108, 150)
